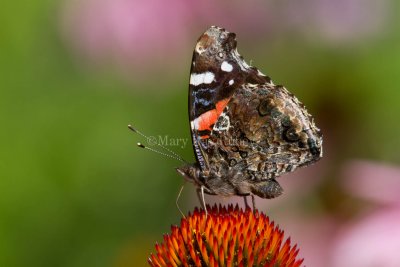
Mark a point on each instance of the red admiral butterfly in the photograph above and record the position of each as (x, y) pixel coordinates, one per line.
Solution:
(246, 131)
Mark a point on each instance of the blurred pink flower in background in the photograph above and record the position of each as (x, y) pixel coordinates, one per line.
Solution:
(314, 233)
(149, 36)
(350, 20)
(140, 34)
(377, 182)
(372, 239)
(340, 21)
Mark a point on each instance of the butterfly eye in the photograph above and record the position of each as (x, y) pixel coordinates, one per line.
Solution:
(291, 135)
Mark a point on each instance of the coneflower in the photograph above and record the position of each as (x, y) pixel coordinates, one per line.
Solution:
(225, 237)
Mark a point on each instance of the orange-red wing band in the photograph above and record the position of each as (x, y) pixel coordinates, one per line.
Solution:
(209, 118)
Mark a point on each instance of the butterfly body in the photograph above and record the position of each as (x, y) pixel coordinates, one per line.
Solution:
(246, 131)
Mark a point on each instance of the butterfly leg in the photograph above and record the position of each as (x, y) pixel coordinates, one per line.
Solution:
(246, 204)
(200, 195)
(253, 201)
(177, 200)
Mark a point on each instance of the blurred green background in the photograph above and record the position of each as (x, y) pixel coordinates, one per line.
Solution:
(74, 188)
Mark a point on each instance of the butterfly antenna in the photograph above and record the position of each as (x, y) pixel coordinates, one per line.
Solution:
(159, 152)
(174, 155)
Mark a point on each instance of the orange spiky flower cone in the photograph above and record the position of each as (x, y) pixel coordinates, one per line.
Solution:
(225, 237)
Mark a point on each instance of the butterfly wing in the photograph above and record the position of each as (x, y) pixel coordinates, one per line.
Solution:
(264, 132)
(245, 130)
(216, 74)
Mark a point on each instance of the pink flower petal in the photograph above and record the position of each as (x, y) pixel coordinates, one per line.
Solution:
(374, 181)
(374, 241)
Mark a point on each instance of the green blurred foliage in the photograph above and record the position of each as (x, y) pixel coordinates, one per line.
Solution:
(75, 191)
(71, 189)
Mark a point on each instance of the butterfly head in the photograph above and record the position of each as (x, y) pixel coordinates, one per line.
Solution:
(191, 173)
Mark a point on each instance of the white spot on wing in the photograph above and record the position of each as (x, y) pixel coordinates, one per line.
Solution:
(225, 66)
(200, 78)
(209, 77)
(231, 82)
(194, 124)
